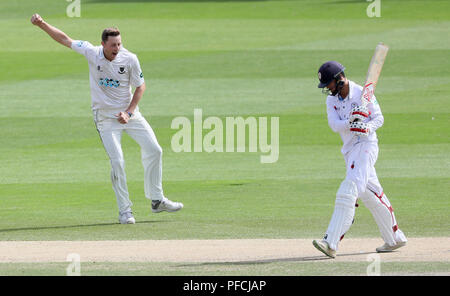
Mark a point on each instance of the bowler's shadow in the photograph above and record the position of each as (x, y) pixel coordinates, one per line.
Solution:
(69, 226)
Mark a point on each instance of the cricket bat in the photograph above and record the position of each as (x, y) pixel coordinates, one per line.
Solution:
(376, 64)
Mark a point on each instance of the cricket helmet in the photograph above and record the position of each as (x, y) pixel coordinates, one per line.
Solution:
(328, 72)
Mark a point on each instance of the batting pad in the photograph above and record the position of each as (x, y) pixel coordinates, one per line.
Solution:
(383, 213)
(344, 212)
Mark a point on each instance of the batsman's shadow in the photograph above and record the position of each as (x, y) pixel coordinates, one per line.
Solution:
(70, 226)
(252, 262)
(272, 260)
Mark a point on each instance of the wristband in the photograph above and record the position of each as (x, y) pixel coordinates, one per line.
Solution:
(130, 114)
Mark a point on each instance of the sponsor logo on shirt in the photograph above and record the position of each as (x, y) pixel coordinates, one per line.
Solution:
(109, 82)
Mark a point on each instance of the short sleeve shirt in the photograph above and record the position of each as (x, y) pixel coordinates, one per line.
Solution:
(110, 81)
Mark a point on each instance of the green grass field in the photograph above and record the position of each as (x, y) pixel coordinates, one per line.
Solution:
(229, 58)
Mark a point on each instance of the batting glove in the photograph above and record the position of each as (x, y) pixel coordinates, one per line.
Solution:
(359, 128)
(359, 113)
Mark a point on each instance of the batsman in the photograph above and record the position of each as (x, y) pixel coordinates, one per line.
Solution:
(357, 124)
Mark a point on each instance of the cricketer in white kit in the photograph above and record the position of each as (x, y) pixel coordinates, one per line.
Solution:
(360, 150)
(113, 72)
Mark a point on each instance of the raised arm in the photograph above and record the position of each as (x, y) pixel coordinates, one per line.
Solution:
(376, 117)
(58, 35)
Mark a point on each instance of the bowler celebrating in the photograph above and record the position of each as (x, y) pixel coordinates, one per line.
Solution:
(113, 71)
(356, 125)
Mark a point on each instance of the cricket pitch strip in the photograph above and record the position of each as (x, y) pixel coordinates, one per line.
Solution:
(425, 249)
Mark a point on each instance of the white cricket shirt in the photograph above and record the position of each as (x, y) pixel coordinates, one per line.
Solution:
(338, 111)
(110, 82)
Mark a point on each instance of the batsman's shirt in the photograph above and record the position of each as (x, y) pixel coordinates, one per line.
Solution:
(110, 82)
(338, 111)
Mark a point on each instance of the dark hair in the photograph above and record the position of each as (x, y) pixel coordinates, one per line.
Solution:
(113, 31)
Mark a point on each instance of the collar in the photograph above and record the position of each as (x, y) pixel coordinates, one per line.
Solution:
(101, 55)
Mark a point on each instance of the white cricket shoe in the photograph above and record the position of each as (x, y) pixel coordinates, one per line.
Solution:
(166, 205)
(387, 248)
(127, 218)
(324, 248)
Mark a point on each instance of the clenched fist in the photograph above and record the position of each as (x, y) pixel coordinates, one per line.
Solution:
(36, 19)
(123, 117)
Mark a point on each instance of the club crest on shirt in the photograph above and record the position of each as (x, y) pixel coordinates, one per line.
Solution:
(121, 69)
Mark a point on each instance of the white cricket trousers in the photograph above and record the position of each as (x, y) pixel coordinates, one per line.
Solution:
(362, 182)
(110, 131)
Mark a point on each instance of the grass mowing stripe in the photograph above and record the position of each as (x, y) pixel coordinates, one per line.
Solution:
(266, 209)
(251, 64)
(261, 269)
(300, 9)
